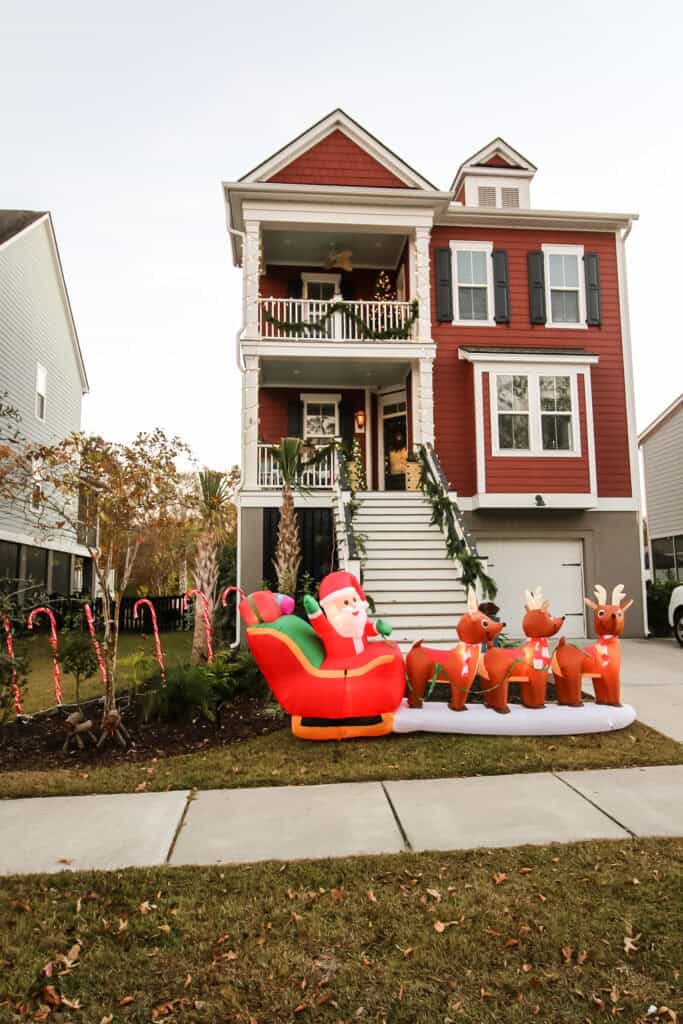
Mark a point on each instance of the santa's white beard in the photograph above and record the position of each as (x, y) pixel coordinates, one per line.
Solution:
(349, 625)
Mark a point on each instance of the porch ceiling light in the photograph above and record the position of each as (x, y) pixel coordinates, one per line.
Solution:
(359, 421)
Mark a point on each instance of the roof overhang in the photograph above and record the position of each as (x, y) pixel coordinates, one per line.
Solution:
(526, 354)
(562, 220)
(663, 416)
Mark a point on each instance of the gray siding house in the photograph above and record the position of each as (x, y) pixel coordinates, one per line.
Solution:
(43, 376)
(662, 444)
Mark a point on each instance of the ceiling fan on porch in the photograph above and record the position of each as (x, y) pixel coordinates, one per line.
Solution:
(339, 259)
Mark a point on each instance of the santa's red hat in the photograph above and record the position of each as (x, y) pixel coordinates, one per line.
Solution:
(340, 584)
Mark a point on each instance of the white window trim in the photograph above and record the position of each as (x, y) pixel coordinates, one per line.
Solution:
(334, 279)
(40, 371)
(536, 449)
(466, 246)
(312, 398)
(565, 250)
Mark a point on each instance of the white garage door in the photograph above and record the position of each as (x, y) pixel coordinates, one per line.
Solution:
(519, 565)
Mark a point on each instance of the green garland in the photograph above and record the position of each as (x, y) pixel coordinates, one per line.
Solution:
(443, 516)
(314, 328)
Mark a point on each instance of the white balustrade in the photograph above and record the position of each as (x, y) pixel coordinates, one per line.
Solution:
(320, 476)
(308, 318)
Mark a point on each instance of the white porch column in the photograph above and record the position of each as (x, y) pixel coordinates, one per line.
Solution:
(421, 283)
(422, 395)
(250, 384)
(251, 261)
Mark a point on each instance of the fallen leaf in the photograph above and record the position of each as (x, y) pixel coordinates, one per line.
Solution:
(567, 953)
(512, 942)
(408, 951)
(166, 928)
(74, 953)
(630, 944)
(435, 894)
(141, 787)
(542, 898)
(65, 860)
(500, 877)
(232, 955)
(108, 1019)
(525, 871)
(582, 956)
(126, 1000)
(79, 904)
(188, 981)
(21, 905)
(51, 996)
(72, 1004)
(371, 896)
(526, 968)
(441, 926)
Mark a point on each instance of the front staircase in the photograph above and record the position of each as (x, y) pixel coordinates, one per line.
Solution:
(405, 568)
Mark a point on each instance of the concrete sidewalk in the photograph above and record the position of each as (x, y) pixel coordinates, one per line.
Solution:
(297, 822)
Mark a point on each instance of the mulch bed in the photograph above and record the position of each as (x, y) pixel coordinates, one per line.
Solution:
(37, 743)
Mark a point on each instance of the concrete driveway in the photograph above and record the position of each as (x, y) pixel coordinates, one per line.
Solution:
(652, 681)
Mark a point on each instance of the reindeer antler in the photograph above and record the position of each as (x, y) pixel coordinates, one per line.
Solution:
(472, 604)
(534, 598)
(600, 594)
(618, 594)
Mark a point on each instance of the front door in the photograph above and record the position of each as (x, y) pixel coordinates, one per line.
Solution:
(394, 436)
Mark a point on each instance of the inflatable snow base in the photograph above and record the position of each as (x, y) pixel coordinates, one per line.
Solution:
(478, 720)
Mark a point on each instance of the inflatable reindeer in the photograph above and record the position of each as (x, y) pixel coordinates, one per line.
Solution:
(529, 665)
(457, 666)
(600, 662)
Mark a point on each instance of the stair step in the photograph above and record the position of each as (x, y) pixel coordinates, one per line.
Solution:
(417, 620)
(415, 519)
(409, 560)
(381, 547)
(391, 531)
(440, 586)
(437, 573)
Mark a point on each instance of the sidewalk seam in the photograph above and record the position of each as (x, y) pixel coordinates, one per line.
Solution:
(190, 797)
(399, 823)
(597, 806)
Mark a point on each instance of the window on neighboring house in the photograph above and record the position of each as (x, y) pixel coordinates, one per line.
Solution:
(41, 391)
(534, 412)
(321, 418)
(473, 283)
(512, 397)
(564, 285)
(556, 413)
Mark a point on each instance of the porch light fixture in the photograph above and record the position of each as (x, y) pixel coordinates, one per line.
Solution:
(359, 421)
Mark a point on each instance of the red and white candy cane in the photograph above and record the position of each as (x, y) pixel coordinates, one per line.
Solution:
(153, 615)
(230, 590)
(10, 650)
(207, 619)
(53, 644)
(93, 635)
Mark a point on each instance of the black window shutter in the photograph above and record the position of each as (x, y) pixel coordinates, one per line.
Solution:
(591, 266)
(501, 287)
(294, 418)
(537, 313)
(295, 288)
(346, 424)
(444, 286)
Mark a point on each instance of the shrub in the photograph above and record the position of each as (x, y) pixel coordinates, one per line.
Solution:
(658, 597)
(188, 694)
(235, 674)
(77, 657)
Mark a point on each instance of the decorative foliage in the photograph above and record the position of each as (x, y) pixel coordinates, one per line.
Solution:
(359, 480)
(316, 328)
(443, 516)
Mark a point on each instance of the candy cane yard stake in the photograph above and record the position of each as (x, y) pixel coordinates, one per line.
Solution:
(228, 591)
(207, 620)
(153, 615)
(10, 651)
(91, 629)
(53, 644)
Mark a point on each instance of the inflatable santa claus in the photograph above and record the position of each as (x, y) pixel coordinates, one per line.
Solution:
(341, 621)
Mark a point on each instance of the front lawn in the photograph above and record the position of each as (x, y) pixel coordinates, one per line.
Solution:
(587, 933)
(278, 759)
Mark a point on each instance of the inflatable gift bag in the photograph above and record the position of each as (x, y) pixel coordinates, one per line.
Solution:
(325, 703)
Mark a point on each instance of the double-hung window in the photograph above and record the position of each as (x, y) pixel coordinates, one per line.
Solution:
(321, 418)
(472, 283)
(534, 413)
(41, 392)
(565, 288)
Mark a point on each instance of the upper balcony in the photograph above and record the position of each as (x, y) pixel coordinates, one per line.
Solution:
(337, 319)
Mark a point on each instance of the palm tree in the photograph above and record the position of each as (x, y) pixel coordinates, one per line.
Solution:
(216, 517)
(293, 455)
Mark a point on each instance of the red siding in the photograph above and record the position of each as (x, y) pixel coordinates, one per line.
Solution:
(336, 160)
(552, 475)
(453, 378)
(497, 161)
(274, 403)
(359, 284)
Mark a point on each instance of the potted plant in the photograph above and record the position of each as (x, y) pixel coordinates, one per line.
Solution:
(412, 472)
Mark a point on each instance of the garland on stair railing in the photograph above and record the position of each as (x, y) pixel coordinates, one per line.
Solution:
(313, 328)
(444, 515)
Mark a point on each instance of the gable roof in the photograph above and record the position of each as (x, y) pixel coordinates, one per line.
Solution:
(663, 416)
(338, 121)
(14, 221)
(12, 224)
(497, 156)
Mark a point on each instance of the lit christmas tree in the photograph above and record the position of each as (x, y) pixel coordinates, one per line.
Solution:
(383, 288)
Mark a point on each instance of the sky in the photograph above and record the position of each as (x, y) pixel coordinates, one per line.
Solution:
(123, 119)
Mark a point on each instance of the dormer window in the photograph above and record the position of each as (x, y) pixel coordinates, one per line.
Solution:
(509, 198)
(497, 177)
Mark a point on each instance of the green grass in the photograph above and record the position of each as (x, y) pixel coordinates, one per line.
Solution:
(40, 692)
(588, 932)
(279, 759)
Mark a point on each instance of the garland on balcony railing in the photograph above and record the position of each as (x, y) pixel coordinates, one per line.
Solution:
(313, 328)
(443, 516)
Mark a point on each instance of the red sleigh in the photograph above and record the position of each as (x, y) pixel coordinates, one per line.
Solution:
(326, 704)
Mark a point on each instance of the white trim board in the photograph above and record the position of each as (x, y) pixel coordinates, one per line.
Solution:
(527, 501)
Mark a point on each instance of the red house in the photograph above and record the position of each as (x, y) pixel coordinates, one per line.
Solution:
(381, 310)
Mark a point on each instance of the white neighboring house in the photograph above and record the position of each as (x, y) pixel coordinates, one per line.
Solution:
(42, 372)
(661, 444)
